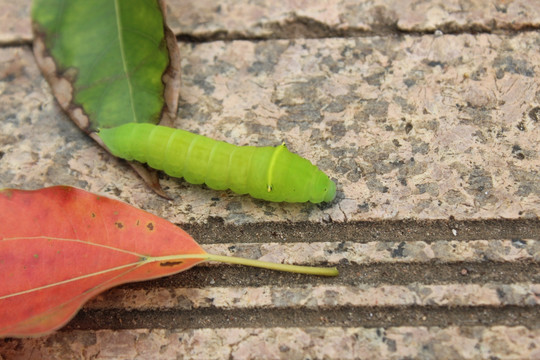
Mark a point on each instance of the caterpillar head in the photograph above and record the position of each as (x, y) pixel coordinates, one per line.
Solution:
(292, 178)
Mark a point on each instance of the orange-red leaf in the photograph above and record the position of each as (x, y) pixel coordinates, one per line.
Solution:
(60, 246)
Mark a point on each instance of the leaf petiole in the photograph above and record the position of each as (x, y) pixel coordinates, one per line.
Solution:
(308, 270)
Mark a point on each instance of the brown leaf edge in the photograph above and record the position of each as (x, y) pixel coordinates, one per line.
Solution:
(171, 76)
(60, 83)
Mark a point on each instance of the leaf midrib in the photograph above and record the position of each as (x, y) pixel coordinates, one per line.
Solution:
(123, 56)
(143, 260)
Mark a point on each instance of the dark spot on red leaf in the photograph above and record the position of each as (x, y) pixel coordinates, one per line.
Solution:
(119, 224)
(137, 223)
(170, 263)
(150, 226)
(93, 215)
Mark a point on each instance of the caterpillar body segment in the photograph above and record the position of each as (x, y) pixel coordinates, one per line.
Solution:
(268, 173)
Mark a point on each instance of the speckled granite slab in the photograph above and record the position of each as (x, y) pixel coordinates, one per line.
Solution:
(411, 127)
(452, 342)
(234, 19)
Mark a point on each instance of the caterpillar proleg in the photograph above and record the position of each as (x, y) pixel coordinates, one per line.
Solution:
(268, 173)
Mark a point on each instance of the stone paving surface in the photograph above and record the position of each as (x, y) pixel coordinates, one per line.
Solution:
(290, 343)
(420, 110)
(410, 128)
(234, 19)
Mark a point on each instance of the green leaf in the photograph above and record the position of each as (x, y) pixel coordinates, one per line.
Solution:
(104, 57)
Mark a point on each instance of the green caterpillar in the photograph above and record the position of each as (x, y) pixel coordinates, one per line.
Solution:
(268, 173)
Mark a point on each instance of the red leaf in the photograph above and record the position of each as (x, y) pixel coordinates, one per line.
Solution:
(60, 246)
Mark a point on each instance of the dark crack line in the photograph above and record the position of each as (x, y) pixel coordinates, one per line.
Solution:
(312, 29)
(224, 35)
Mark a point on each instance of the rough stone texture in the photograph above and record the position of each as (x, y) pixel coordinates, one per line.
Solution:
(413, 123)
(15, 22)
(453, 342)
(391, 252)
(411, 128)
(316, 297)
(233, 19)
(311, 18)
